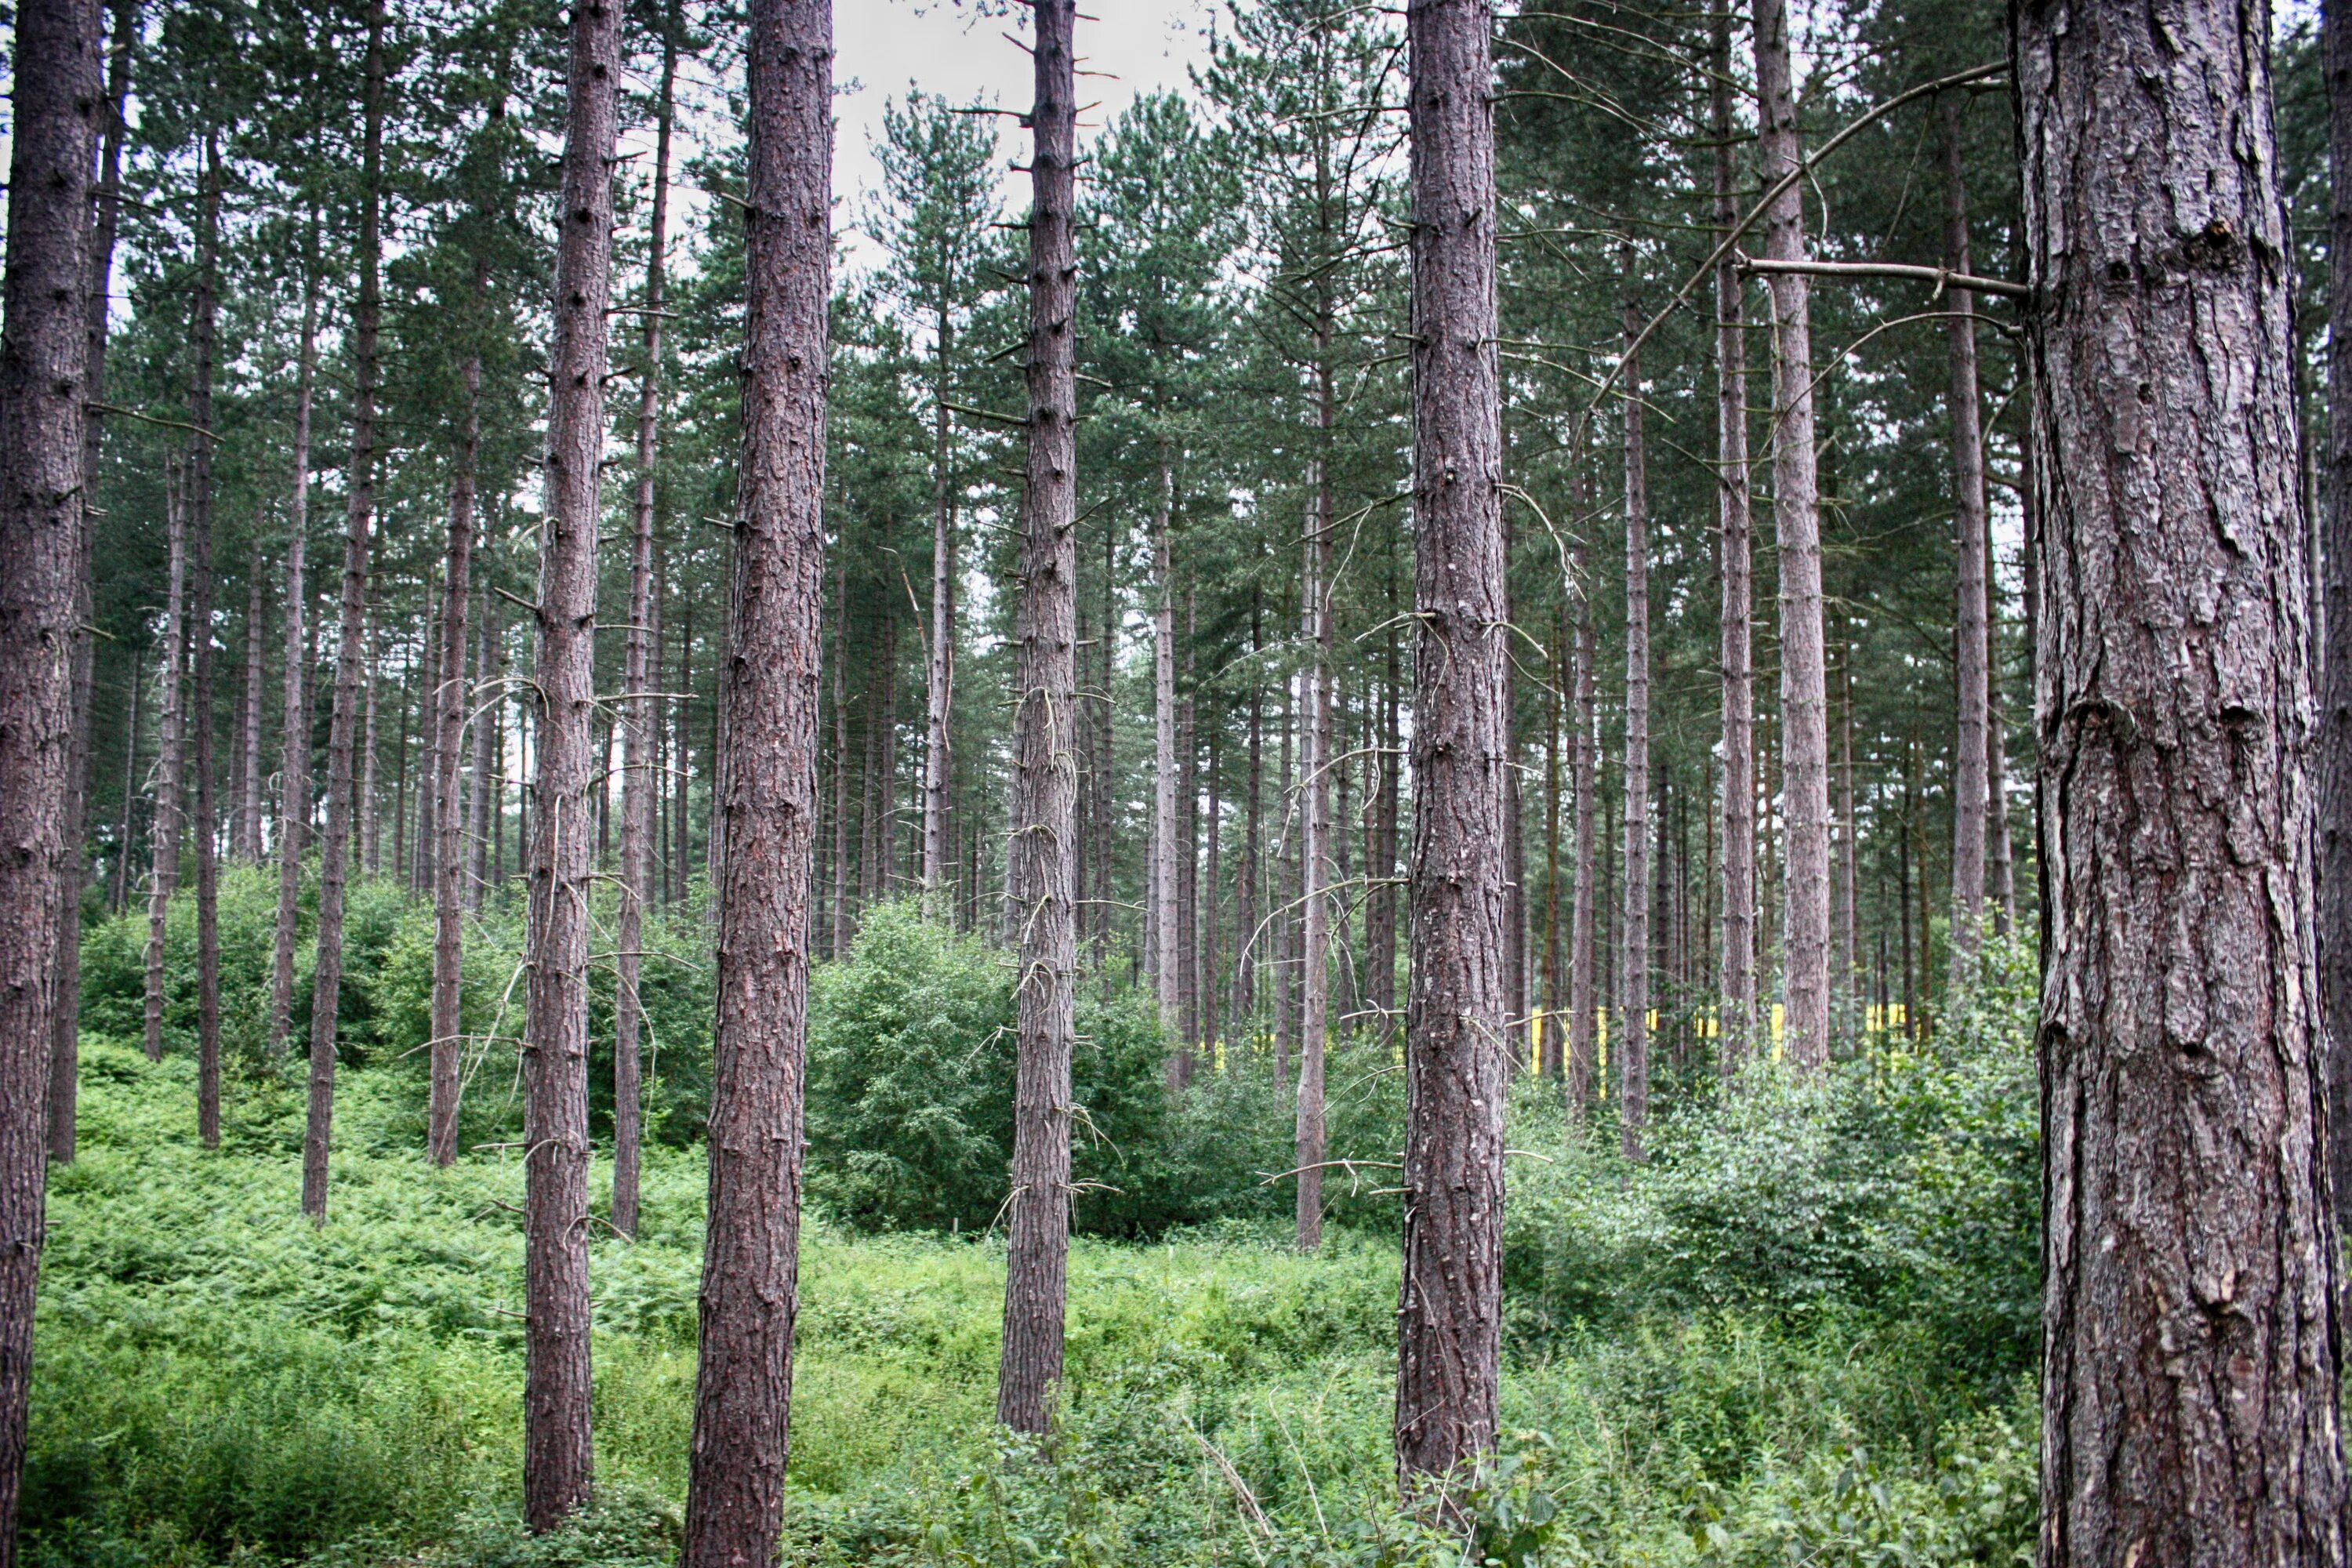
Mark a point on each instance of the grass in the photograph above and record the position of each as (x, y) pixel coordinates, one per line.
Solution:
(217, 1382)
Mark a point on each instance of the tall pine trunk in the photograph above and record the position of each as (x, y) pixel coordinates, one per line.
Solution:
(558, 1458)
(163, 831)
(636, 741)
(350, 658)
(2334, 762)
(767, 784)
(1737, 1004)
(65, 1052)
(2192, 1342)
(1163, 883)
(1449, 1321)
(1315, 833)
(1583, 759)
(1633, 928)
(450, 699)
(200, 563)
(1797, 523)
(1039, 870)
(245, 844)
(44, 357)
(1973, 545)
(939, 660)
(294, 714)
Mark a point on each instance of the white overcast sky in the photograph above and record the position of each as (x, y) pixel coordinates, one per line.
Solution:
(884, 46)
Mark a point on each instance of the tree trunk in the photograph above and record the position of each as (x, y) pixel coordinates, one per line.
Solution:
(1736, 1007)
(2001, 858)
(44, 357)
(1246, 909)
(558, 1461)
(200, 553)
(1314, 833)
(840, 922)
(1040, 890)
(119, 896)
(1973, 544)
(1552, 1037)
(2334, 762)
(939, 672)
(636, 753)
(247, 845)
(451, 698)
(1583, 990)
(486, 805)
(1633, 928)
(65, 1070)
(335, 847)
(1163, 754)
(742, 1396)
(2191, 1329)
(1849, 872)
(1797, 523)
(294, 717)
(371, 799)
(1206, 1002)
(1450, 1320)
(163, 833)
(1380, 914)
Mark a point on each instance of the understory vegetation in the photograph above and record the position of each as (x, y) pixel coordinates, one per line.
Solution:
(1800, 1334)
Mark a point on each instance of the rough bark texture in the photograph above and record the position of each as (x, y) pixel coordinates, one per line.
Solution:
(558, 1463)
(1450, 1318)
(1797, 525)
(1040, 892)
(743, 1388)
(163, 829)
(2190, 1331)
(2334, 767)
(294, 717)
(350, 657)
(200, 563)
(1973, 544)
(65, 1052)
(1736, 1008)
(636, 714)
(451, 698)
(1633, 929)
(44, 353)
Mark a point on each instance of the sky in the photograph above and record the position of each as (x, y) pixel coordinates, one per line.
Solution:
(884, 45)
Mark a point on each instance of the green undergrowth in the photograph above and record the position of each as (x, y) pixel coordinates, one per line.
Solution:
(1800, 1334)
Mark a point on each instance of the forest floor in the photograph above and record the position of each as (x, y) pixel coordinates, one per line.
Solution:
(217, 1382)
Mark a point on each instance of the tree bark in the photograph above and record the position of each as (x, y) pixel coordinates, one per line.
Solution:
(939, 673)
(200, 552)
(1163, 754)
(1450, 1319)
(558, 1459)
(1315, 831)
(350, 658)
(294, 718)
(2190, 1331)
(1634, 926)
(1797, 523)
(2334, 762)
(1973, 544)
(1583, 989)
(451, 698)
(767, 783)
(65, 1070)
(163, 832)
(1039, 870)
(636, 753)
(1736, 1008)
(840, 922)
(247, 845)
(43, 358)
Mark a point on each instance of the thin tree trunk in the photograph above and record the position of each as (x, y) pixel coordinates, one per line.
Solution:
(485, 807)
(1849, 872)
(1973, 546)
(767, 784)
(43, 358)
(1583, 990)
(119, 896)
(1737, 1005)
(294, 718)
(163, 835)
(558, 1460)
(1040, 890)
(2000, 857)
(1315, 835)
(1163, 754)
(200, 563)
(334, 848)
(1206, 1004)
(1796, 521)
(1382, 914)
(1552, 1037)
(65, 1055)
(841, 756)
(246, 846)
(451, 698)
(1633, 928)
(1450, 1320)
(939, 673)
(2190, 1401)
(1246, 909)
(637, 758)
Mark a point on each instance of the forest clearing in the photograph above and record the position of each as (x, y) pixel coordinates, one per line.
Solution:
(1519, 782)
